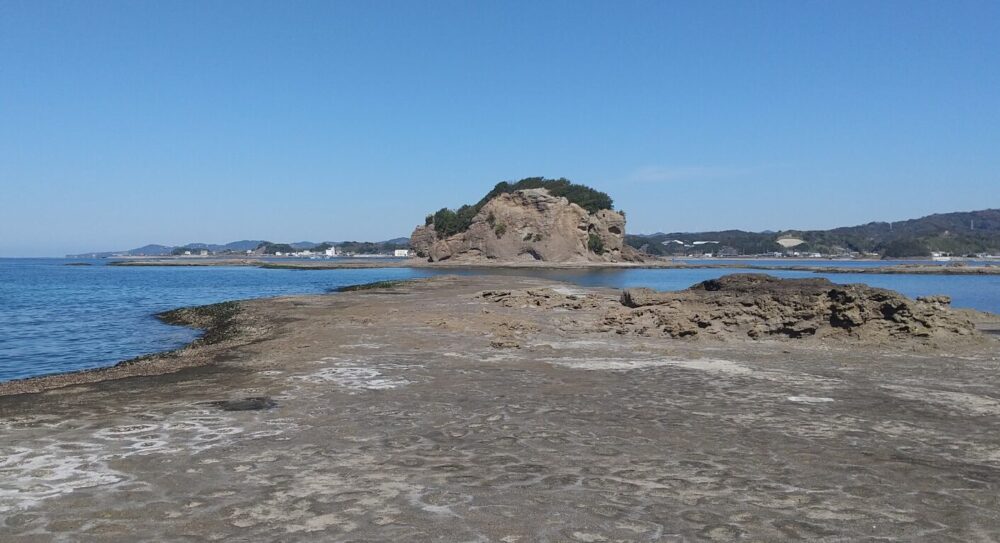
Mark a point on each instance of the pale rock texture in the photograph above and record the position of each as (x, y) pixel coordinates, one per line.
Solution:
(422, 239)
(529, 225)
(760, 306)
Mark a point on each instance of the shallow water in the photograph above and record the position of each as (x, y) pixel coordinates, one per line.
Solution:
(56, 318)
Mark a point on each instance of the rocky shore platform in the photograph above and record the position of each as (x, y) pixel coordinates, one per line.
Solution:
(498, 408)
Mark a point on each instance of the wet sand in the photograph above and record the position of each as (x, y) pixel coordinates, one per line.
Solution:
(425, 413)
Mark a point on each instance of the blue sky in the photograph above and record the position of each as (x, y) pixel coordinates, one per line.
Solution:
(124, 123)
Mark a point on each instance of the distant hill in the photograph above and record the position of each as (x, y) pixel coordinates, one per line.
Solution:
(242, 246)
(155, 250)
(959, 233)
(239, 246)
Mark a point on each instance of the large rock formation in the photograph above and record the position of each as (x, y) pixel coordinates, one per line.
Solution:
(531, 225)
(761, 306)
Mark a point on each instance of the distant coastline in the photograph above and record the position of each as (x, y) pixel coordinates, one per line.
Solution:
(949, 268)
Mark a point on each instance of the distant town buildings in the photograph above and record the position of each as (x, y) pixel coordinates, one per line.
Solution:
(267, 249)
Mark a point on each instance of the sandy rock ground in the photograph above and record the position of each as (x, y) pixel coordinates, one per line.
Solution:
(429, 412)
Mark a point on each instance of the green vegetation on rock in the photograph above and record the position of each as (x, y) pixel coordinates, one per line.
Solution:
(218, 320)
(370, 286)
(595, 244)
(448, 222)
(590, 199)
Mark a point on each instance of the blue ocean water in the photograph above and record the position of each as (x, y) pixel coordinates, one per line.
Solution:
(827, 262)
(56, 318)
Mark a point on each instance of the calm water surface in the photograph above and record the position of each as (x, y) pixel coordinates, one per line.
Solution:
(56, 318)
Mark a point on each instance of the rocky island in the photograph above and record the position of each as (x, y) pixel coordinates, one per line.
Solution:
(532, 220)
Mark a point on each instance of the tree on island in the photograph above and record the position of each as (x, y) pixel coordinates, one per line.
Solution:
(269, 248)
(448, 222)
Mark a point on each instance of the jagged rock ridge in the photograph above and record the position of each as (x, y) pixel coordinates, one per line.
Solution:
(760, 306)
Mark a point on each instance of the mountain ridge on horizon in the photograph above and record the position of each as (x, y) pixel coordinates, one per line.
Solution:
(240, 246)
(959, 232)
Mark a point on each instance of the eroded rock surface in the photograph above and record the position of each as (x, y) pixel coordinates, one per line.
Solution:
(530, 225)
(496, 408)
(758, 306)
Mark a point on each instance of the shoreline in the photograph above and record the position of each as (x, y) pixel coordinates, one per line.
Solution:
(223, 326)
(228, 325)
(893, 269)
(436, 410)
(158, 363)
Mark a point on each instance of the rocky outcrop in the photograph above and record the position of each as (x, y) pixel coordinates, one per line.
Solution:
(530, 225)
(761, 306)
(757, 306)
(422, 240)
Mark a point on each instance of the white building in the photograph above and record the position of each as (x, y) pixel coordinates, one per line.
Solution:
(332, 251)
(401, 252)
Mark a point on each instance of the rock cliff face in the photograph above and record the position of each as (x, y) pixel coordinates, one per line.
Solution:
(530, 225)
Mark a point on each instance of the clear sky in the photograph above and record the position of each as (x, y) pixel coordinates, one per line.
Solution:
(133, 122)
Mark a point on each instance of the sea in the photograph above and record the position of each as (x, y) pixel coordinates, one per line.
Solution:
(59, 315)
